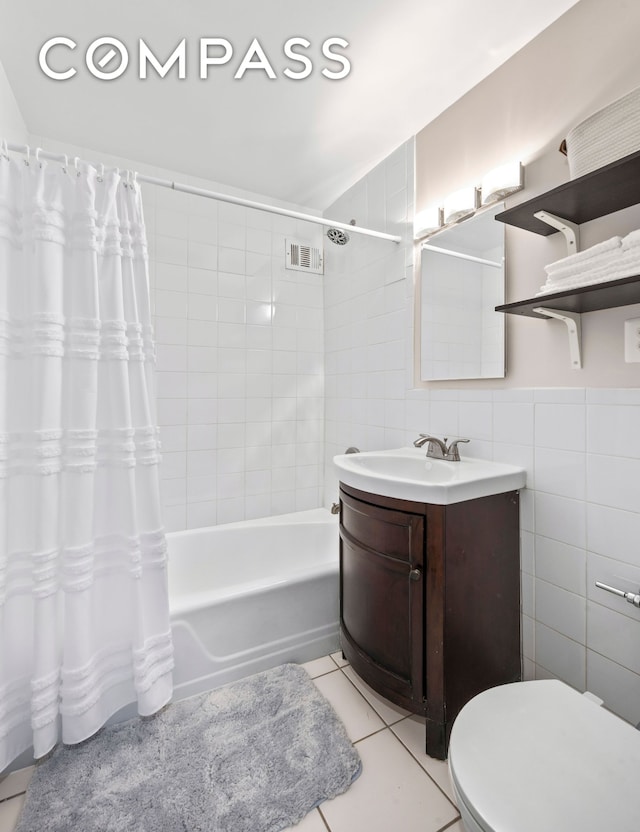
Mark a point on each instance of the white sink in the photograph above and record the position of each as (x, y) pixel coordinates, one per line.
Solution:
(407, 474)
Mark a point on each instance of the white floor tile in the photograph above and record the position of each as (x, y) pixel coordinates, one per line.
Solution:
(318, 667)
(389, 712)
(337, 657)
(309, 823)
(16, 782)
(10, 812)
(358, 716)
(391, 793)
(411, 733)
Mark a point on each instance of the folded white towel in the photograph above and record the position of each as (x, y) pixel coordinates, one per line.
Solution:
(592, 278)
(613, 244)
(623, 264)
(631, 240)
(600, 261)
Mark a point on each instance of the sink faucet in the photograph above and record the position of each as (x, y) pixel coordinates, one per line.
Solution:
(438, 448)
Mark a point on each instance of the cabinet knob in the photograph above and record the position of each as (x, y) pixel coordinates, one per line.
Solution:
(415, 574)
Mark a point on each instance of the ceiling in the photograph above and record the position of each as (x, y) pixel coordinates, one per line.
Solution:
(303, 141)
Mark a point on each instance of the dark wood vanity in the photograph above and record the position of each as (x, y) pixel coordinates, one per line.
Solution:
(430, 600)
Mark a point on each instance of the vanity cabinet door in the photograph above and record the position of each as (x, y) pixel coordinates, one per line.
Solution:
(382, 598)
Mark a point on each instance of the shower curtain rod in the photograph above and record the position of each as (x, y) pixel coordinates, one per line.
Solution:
(234, 200)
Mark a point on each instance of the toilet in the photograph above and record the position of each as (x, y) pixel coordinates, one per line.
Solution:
(541, 757)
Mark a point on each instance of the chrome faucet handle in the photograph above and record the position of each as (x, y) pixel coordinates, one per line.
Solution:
(437, 448)
(453, 454)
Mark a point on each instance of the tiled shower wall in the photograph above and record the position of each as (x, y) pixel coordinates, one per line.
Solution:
(240, 361)
(580, 512)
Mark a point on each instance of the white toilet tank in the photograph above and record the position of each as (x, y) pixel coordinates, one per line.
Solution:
(536, 756)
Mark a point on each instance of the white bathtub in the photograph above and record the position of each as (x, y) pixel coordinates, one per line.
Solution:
(248, 596)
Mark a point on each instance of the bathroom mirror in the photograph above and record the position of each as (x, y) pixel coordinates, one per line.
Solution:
(461, 283)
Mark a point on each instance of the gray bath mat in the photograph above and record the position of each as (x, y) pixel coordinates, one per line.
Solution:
(254, 756)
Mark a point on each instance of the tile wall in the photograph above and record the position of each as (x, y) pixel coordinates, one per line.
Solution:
(580, 514)
(240, 361)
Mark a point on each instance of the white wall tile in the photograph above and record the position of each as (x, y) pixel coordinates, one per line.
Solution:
(201, 514)
(201, 437)
(173, 492)
(527, 510)
(201, 489)
(202, 333)
(627, 396)
(173, 438)
(231, 260)
(560, 426)
(173, 465)
(233, 235)
(202, 229)
(171, 223)
(614, 635)
(202, 359)
(170, 277)
(231, 285)
(560, 655)
(171, 304)
(513, 423)
(559, 395)
(172, 411)
(561, 519)
(201, 463)
(616, 685)
(614, 533)
(560, 472)
(174, 517)
(202, 255)
(170, 331)
(527, 552)
(560, 564)
(613, 430)
(171, 385)
(202, 385)
(203, 307)
(613, 481)
(476, 420)
(170, 250)
(561, 610)
(172, 357)
(202, 281)
(527, 594)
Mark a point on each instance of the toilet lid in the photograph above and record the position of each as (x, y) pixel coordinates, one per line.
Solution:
(535, 756)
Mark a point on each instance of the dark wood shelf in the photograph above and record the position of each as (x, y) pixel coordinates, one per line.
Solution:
(622, 292)
(601, 192)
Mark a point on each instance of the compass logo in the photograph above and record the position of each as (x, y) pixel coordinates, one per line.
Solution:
(107, 58)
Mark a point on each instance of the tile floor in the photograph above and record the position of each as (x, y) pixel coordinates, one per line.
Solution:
(400, 786)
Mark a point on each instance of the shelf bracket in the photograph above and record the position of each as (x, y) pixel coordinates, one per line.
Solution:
(572, 320)
(570, 230)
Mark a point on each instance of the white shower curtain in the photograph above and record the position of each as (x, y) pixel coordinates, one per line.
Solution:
(84, 622)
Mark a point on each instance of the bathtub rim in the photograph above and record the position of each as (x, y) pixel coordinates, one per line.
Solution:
(179, 605)
(311, 515)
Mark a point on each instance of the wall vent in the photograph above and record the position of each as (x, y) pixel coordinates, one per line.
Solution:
(304, 258)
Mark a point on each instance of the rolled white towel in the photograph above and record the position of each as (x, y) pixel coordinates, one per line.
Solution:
(631, 240)
(607, 246)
